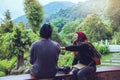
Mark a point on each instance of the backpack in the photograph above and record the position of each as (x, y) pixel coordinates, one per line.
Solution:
(96, 56)
(65, 69)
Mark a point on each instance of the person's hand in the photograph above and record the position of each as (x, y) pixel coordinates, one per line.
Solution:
(62, 48)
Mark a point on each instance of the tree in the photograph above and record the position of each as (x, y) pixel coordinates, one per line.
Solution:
(21, 42)
(34, 13)
(94, 28)
(21, 24)
(56, 36)
(69, 29)
(60, 22)
(116, 37)
(16, 44)
(5, 42)
(7, 24)
(113, 12)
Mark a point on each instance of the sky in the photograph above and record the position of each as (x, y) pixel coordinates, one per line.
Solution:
(16, 7)
(47, 1)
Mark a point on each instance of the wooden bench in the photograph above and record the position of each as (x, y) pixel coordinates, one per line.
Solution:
(28, 77)
(102, 73)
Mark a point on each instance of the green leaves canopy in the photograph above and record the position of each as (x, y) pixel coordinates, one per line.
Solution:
(94, 28)
(17, 42)
(34, 13)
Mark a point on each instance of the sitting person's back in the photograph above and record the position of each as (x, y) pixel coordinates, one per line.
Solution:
(44, 55)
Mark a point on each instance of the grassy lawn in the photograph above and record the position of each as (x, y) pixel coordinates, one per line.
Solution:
(108, 57)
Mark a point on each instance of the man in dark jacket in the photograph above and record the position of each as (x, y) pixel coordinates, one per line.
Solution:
(44, 54)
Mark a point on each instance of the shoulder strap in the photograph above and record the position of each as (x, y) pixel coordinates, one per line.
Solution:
(96, 53)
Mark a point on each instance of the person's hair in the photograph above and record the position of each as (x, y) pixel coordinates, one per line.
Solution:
(45, 31)
(81, 36)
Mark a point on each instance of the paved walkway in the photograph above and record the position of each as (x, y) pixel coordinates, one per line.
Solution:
(114, 48)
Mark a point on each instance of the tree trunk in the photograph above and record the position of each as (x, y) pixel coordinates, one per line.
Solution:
(20, 61)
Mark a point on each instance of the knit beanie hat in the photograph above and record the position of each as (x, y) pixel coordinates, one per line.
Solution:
(46, 31)
(82, 36)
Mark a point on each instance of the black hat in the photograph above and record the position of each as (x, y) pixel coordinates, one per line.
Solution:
(46, 31)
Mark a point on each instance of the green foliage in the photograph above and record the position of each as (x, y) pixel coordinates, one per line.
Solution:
(34, 13)
(59, 22)
(107, 56)
(66, 59)
(18, 47)
(7, 23)
(94, 28)
(2, 73)
(22, 40)
(56, 37)
(103, 49)
(16, 42)
(81, 10)
(54, 7)
(69, 29)
(7, 64)
(116, 37)
(5, 42)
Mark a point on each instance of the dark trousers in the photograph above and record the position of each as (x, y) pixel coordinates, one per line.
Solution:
(80, 74)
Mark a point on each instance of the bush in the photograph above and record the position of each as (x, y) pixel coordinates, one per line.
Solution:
(66, 59)
(6, 65)
(103, 49)
(2, 73)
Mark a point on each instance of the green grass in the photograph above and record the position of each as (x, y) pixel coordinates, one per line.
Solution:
(106, 56)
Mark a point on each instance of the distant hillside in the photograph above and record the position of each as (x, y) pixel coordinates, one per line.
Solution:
(82, 9)
(21, 19)
(54, 7)
(49, 9)
(70, 11)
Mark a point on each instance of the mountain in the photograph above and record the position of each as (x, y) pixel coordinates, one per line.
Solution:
(49, 9)
(20, 19)
(82, 9)
(71, 11)
(54, 7)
